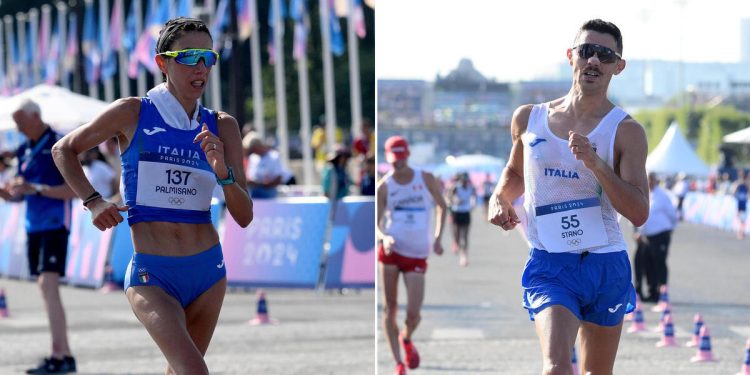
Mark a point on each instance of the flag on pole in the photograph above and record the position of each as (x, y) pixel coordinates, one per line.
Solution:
(51, 64)
(145, 49)
(359, 20)
(71, 49)
(271, 30)
(337, 38)
(220, 22)
(44, 36)
(112, 43)
(128, 36)
(90, 45)
(299, 13)
(115, 26)
(245, 10)
(185, 8)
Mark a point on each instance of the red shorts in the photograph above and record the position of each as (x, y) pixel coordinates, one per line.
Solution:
(404, 264)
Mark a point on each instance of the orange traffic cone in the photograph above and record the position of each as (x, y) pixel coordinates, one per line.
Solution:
(109, 285)
(663, 299)
(638, 325)
(3, 304)
(667, 339)
(704, 351)
(746, 366)
(574, 361)
(696, 339)
(667, 311)
(261, 316)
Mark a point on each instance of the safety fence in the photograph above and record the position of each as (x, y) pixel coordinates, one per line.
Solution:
(291, 243)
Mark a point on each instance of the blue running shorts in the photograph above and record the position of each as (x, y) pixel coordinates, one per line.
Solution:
(184, 278)
(596, 288)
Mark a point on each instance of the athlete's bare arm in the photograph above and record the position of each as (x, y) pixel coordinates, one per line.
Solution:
(510, 185)
(118, 119)
(238, 202)
(440, 210)
(626, 185)
(381, 194)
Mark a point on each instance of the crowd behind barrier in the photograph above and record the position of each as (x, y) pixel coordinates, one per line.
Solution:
(282, 247)
(718, 211)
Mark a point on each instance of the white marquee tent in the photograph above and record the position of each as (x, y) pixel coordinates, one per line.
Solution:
(740, 136)
(674, 154)
(62, 109)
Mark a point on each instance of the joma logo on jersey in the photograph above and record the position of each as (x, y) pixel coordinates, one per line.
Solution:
(554, 172)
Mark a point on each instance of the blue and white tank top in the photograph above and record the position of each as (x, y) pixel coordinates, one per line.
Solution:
(165, 176)
(566, 208)
(408, 216)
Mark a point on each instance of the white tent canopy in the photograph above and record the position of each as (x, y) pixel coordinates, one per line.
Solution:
(62, 109)
(740, 136)
(674, 155)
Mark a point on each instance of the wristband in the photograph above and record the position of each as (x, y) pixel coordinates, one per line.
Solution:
(227, 181)
(94, 196)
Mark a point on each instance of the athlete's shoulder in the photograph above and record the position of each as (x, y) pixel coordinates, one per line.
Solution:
(520, 120)
(631, 128)
(225, 119)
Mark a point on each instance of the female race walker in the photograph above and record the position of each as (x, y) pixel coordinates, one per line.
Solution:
(174, 152)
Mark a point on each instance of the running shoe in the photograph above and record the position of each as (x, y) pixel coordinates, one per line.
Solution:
(400, 369)
(52, 365)
(410, 352)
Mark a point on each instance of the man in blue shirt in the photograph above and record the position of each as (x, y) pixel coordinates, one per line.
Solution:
(47, 197)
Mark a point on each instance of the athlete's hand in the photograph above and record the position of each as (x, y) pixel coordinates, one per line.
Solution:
(105, 214)
(388, 242)
(582, 149)
(437, 247)
(502, 213)
(213, 147)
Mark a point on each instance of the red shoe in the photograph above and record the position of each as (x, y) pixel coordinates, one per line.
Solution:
(400, 369)
(410, 352)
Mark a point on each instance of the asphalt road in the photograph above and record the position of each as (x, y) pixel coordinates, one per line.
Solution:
(473, 322)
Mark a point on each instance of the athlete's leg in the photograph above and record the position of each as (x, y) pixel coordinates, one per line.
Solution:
(203, 314)
(456, 238)
(599, 348)
(414, 282)
(165, 321)
(390, 274)
(556, 328)
(49, 284)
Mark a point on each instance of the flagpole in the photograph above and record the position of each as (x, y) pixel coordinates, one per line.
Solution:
(304, 101)
(141, 86)
(215, 78)
(33, 37)
(21, 30)
(355, 93)
(157, 76)
(46, 31)
(281, 126)
(330, 95)
(109, 87)
(122, 54)
(62, 27)
(93, 86)
(258, 120)
(12, 74)
(3, 76)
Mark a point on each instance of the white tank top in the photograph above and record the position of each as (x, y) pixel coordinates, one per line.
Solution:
(462, 201)
(566, 208)
(408, 216)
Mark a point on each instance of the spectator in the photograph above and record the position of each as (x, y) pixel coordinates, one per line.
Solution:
(363, 144)
(367, 182)
(334, 179)
(264, 170)
(102, 176)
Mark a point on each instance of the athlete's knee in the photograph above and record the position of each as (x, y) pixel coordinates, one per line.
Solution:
(413, 317)
(390, 307)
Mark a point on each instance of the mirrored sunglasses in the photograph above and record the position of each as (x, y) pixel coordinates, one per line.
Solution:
(191, 56)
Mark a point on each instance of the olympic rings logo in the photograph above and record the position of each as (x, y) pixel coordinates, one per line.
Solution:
(176, 201)
(574, 242)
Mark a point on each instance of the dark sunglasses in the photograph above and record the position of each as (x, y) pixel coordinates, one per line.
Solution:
(605, 54)
(191, 56)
